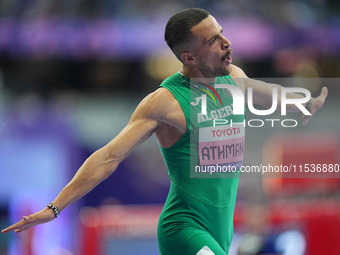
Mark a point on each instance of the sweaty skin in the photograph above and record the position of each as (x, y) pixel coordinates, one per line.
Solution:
(160, 113)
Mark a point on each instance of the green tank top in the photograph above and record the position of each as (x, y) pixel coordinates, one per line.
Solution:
(197, 199)
(203, 145)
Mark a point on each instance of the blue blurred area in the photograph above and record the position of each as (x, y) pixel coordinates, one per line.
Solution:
(138, 246)
(72, 72)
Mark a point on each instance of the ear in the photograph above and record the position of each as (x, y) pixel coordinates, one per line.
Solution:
(188, 58)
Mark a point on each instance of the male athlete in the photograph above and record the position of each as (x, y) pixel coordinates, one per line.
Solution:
(198, 214)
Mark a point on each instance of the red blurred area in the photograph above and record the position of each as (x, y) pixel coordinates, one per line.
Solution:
(303, 152)
(319, 221)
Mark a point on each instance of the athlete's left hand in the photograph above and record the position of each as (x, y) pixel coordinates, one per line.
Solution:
(317, 103)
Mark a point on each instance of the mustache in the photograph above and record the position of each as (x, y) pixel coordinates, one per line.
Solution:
(229, 51)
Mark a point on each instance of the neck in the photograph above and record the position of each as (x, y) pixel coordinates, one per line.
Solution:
(196, 75)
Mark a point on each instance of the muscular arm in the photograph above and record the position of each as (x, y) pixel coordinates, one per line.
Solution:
(102, 163)
(263, 94)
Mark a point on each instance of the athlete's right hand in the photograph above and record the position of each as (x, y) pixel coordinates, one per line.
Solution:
(317, 103)
(43, 216)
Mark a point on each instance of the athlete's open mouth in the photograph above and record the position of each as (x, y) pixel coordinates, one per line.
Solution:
(227, 57)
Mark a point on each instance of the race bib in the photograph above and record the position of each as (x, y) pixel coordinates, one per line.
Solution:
(222, 145)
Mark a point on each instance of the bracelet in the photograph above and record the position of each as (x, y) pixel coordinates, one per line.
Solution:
(54, 208)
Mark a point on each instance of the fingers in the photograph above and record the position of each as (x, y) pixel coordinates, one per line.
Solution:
(317, 104)
(305, 120)
(24, 227)
(20, 230)
(21, 225)
(27, 222)
(324, 92)
(320, 100)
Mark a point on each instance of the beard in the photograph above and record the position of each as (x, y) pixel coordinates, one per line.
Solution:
(217, 70)
(212, 72)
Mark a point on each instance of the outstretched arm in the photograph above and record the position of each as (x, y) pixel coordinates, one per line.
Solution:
(102, 163)
(262, 94)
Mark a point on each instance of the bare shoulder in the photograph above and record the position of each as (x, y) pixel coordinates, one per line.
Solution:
(239, 77)
(162, 107)
(157, 104)
(237, 72)
(161, 95)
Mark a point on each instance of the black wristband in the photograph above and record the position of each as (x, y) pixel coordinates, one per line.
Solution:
(54, 209)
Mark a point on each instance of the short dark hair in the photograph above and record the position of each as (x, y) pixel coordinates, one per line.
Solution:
(178, 29)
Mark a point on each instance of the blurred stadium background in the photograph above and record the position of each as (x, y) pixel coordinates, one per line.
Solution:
(71, 73)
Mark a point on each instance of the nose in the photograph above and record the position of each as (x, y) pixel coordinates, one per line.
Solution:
(226, 43)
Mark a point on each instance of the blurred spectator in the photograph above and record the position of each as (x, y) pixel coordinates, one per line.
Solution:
(259, 237)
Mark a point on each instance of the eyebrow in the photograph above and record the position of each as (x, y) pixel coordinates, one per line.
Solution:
(215, 36)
